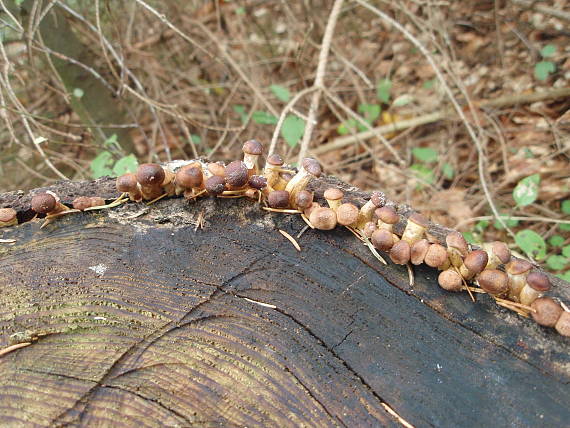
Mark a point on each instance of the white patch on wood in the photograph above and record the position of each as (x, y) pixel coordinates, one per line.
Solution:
(99, 269)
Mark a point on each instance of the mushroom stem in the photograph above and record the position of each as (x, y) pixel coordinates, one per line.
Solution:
(376, 200)
(309, 168)
(415, 228)
(8, 217)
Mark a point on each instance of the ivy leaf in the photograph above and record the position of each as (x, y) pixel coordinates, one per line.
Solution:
(292, 130)
(347, 127)
(564, 227)
(565, 276)
(263, 118)
(240, 110)
(507, 220)
(531, 243)
(566, 251)
(547, 51)
(125, 164)
(101, 165)
(423, 172)
(566, 206)
(448, 171)
(526, 191)
(556, 262)
(281, 92)
(425, 154)
(543, 69)
(383, 90)
(481, 225)
(556, 241)
(470, 237)
(403, 100)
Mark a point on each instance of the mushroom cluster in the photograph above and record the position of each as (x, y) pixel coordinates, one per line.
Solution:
(513, 283)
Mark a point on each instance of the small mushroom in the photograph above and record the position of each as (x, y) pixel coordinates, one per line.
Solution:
(382, 239)
(189, 178)
(309, 168)
(498, 253)
(377, 199)
(418, 251)
(493, 281)
(457, 248)
(334, 196)
(400, 253)
(97, 201)
(271, 171)
(303, 200)
(258, 182)
(347, 214)
(310, 209)
(8, 217)
(436, 256)
(216, 168)
(252, 149)
(415, 228)
(150, 176)
(47, 203)
(215, 185)
(517, 271)
(536, 284)
(563, 324)
(168, 184)
(547, 311)
(81, 202)
(128, 183)
(237, 175)
(450, 280)
(278, 199)
(369, 229)
(387, 217)
(323, 218)
(473, 264)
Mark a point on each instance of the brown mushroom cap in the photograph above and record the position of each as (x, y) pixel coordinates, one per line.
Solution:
(333, 194)
(312, 166)
(378, 199)
(476, 261)
(237, 174)
(457, 241)
(501, 251)
(304, 199)
(418, 251)
(286, 176)
(419, 219)
(517, 267)
(278, 199)
(387, 214)
(189, 177)
(323, 218)
(7, 215)
(275, 160)
(382, 239)
(493, 281)
(538, 281)
(43, 203)
(436, 255)
(217, 168)
(150, 174)
(347, 214)
(97, 201)
(127, 182)
(547, 311)
(215, 185)
(252, 147)
(369, 229)
(257, 182)
(400, 253)
(82, 202)
(450, 280)
(563, 324)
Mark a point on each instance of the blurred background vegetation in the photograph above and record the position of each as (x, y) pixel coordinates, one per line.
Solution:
(90, 88)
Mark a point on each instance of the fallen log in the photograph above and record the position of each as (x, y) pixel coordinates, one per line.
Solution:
(136, 315)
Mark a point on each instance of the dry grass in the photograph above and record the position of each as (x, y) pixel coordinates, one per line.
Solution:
(177, 71)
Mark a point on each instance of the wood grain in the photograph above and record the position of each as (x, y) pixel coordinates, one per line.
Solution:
(144, 321)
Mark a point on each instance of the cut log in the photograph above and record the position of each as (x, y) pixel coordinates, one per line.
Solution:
(137, 317)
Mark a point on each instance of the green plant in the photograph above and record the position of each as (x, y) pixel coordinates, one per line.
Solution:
(105, 162)
(544, 68)
(526, 190)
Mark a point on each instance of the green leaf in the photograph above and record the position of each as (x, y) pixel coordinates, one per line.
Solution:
(448, 171)
(371, 112)
(428, 84)
(240, 10)
(78, 92)
(125, 164)
(111, 141)
(292, 130)
(543, 69)
(531, 243)
(566, 206)
(556, 240)
(347, 127)
(526, 191)
(565, 276)
(101, 165)
(383, 90)
(470, 237)
(547, 51)
(481, 225)
(556, 262)
(281, 92)
(403, 100)
(507, 220)
(263, 118)
(566, 251)
(423, 172)
(564, 227)
(18, 2)
(240, 110)
(195, 139)
(425, 154)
